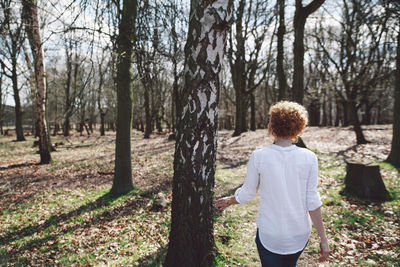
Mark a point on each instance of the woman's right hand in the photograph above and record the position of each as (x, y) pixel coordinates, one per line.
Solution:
(324, 246)
(222, 203)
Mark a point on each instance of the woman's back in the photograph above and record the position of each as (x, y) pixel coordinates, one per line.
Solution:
(287, 186)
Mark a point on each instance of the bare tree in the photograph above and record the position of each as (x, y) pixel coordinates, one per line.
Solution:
(247, 65)
(280, 72)
(300, 17)
(12, 38)
(360, 67)
(30, 16)
(122, 182)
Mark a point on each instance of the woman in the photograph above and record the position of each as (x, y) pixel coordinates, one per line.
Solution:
(287, 178)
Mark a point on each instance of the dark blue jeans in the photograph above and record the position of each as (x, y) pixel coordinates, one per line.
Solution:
(270, 259)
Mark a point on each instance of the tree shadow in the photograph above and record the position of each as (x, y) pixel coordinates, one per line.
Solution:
(231, 164)
(343, 152)
(155, 259)
(102, 201)
(48, 243)
(55, 220)
(19, 165)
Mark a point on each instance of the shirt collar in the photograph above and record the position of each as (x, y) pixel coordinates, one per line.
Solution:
(286, 148)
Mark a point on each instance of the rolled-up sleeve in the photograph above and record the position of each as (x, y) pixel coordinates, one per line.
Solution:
(248, 190)
(313, 198)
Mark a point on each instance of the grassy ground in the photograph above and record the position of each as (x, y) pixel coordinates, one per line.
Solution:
(62, 214)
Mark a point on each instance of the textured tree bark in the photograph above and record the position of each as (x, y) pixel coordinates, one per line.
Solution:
(394, 156)
(280, 57)
(300, 16)
(122, 182)
(191, 240)
(31, 17)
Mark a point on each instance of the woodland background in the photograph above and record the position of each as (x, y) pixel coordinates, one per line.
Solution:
(105, 85)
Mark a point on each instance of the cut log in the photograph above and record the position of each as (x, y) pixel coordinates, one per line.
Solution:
(364, 180)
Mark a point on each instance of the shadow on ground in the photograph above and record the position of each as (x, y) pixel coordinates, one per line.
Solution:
(155, 259)
(48, 243)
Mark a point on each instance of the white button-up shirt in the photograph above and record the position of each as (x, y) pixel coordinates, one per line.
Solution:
(287, 179)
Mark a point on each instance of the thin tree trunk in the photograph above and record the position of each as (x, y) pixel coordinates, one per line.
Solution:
(238, 69)
(352, 109)
(102, 130)
(33, 31)
(99, 106)
(122, 182)
(298, 67)
(191, 240)
(175, 86)
(345, 114)
(252, 112)
(1, 107)
(148, 128)
(67, 108)
(18, 110)
(158, 122)
(394, 156)
(241, 112)
(280, 56)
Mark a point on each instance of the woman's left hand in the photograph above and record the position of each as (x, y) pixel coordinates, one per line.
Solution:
(223, 203)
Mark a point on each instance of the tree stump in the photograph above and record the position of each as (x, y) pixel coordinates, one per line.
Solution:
(364, 180)
(300, 143)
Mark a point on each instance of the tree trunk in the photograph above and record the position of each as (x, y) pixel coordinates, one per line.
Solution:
(33, 31)
(300, 17)
(99, 106)
(352, 109)
(314, 112)
(239, 79)
(1, 106)
(158, 122)
(18, 110)
(346, 114)
(66, 126)
(102, 117)
(394, 156)
(67, 89)
(280, 56)
(176, 106)
(148, 128)
(252, 112)
(366, 118)
(122, 182)
(191, 240)
(241, 114)
(365, 181)
(298, 67)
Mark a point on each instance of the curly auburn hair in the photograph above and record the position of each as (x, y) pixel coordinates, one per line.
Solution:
(287, 120)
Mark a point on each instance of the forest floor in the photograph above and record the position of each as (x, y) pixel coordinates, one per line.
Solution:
(62, 214)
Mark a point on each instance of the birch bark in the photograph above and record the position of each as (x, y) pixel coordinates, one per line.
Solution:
(191, 240)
